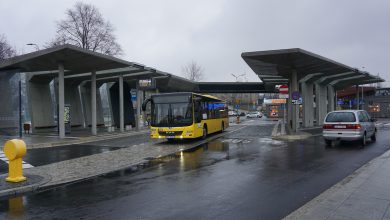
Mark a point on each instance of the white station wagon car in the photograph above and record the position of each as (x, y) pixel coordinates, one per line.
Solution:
(349, 125)
(254, 115)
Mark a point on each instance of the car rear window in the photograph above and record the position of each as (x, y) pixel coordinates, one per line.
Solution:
(341, 117)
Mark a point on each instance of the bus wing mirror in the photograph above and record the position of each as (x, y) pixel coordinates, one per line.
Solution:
(145, 103)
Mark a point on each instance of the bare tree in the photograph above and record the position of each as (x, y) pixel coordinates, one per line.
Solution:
(85, 27)
(6, 50)
(193, 71)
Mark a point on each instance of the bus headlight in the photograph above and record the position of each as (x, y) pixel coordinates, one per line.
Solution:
(188, 133)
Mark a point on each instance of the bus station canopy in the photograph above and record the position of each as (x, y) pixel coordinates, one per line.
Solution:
(75, 60)
(276, 66)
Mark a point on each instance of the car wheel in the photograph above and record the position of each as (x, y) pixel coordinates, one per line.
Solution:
(373, 137)
(328, 143)
(204, 133)
(363, 141)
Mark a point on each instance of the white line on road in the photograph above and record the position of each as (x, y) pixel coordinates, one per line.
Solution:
(25, 165)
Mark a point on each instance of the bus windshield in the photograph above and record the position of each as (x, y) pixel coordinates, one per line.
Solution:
(172, 111)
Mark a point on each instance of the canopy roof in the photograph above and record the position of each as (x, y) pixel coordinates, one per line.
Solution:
(79, 63)
(275, 67)
(75, 59)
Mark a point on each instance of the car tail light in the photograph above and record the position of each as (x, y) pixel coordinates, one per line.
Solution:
(341, 126)
(354, 126)
(327, 126)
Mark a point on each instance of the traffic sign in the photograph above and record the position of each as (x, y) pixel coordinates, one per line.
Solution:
(297, 101)
(295, 95)
(283, 96)
(283, 89)
(133, 93)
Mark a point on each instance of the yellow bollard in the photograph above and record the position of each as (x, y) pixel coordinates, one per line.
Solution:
(14, 150)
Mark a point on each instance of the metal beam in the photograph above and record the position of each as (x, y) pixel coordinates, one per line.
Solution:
(353, 78)
(309, 78)
(328, 79)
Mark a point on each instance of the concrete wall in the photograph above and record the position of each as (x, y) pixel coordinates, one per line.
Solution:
(86, 102)
(9, 105)
(72, 98)
(127, 104)
(40, 103)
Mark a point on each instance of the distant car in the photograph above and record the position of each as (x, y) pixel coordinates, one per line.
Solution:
(349, 125)
(242, 114)
(254, 115)
(232, 113)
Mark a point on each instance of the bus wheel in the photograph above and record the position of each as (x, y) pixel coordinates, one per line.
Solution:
(204, 133)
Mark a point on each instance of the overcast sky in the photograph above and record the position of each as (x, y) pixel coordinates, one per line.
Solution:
(170, 33)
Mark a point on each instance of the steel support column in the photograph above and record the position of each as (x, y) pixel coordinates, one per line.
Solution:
(61, 100)
(357, 97)
(331, 99)
(293, 113)
(321, 98)
(308, 100)
(121, 108)
(138, 114)
(93, 103)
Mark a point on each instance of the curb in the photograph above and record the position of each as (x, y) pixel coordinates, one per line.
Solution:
(24, 189)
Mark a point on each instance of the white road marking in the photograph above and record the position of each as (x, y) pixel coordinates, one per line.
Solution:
(25, 165)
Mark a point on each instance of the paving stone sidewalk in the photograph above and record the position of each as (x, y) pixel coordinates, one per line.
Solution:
(365, 194)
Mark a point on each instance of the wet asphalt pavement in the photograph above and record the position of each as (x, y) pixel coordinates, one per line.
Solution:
(245, 175)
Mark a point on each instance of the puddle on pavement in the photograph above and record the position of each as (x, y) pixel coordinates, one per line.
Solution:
(272, 142)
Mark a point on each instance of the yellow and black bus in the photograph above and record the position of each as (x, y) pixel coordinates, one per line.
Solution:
(184, 115)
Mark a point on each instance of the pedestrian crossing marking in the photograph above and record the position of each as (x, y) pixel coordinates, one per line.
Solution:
(25, 165)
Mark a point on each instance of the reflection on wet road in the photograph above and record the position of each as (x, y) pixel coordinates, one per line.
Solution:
(245, 175)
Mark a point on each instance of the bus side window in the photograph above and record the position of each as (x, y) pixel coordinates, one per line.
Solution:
(205, 111)
(197, 112)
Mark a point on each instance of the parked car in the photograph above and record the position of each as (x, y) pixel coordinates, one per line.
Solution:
(254, 115)
(349, 125)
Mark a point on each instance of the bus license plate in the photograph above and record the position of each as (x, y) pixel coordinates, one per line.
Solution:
(170, 136)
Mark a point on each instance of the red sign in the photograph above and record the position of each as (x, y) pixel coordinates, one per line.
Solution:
(283, 89)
